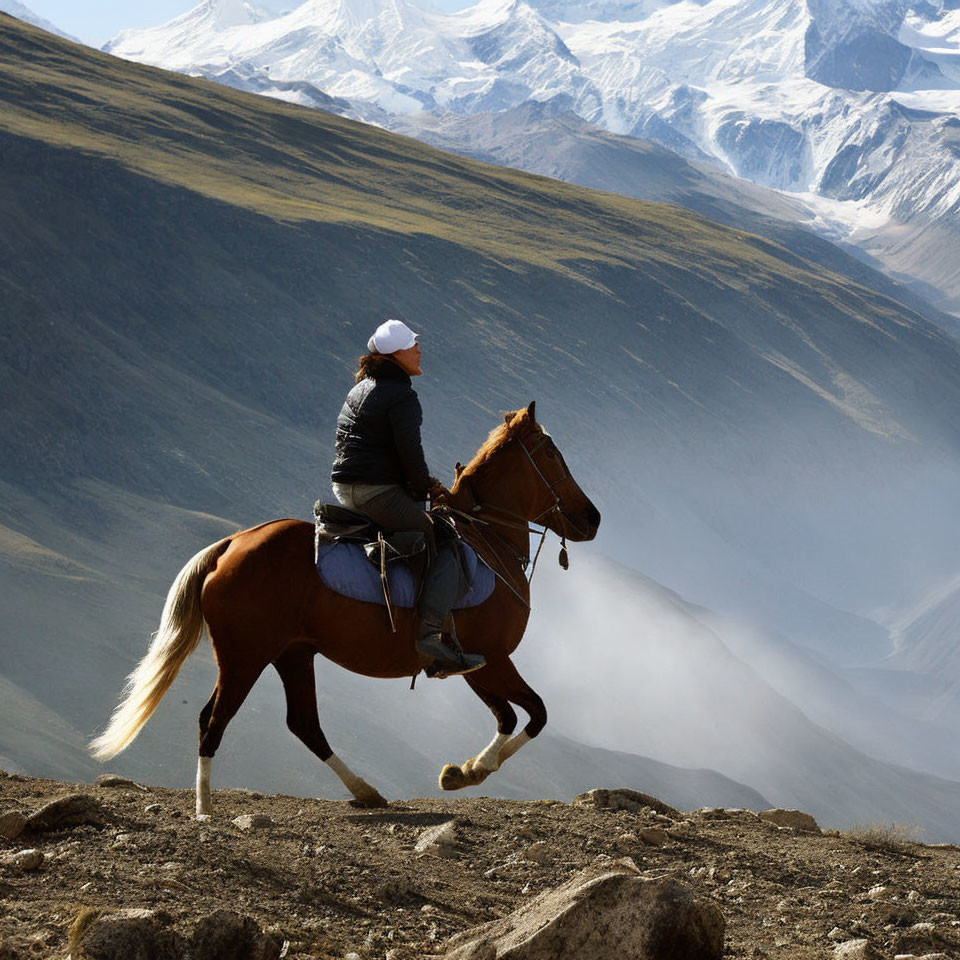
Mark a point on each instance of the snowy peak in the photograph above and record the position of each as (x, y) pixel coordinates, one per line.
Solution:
(21, 12)
(622, 11)
(850, 103)
(853, 45)
(515, 34)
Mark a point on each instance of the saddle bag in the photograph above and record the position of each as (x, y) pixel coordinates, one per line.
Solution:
(335, 523)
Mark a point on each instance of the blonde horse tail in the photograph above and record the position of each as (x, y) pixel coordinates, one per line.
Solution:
(181, 626)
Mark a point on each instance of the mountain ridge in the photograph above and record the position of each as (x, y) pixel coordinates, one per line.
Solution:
(835, 108)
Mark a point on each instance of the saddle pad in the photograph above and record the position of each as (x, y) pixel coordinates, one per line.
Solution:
(345, 569)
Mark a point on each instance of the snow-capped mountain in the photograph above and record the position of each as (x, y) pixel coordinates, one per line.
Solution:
(851, 104)
(21, 12)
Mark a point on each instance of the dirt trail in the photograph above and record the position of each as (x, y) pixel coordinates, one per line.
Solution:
(335, 880)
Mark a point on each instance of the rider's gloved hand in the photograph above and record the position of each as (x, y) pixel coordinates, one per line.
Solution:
(438, 492)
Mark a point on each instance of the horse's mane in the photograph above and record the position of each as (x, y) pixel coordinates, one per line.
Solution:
(514, 424)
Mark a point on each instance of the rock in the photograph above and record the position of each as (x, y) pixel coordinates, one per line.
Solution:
(112, 780)
(623, 799)
(603, 913)
(714, 813)
(654, 836)
(125, 935)
(920, 938)
(478, 950)
(683, 829)
(885, 912)
(838, 933)
(73, 810)
(12, 824)
(225, 935)
(855, 950)
(791, 818)
(152, 808)
(24, 860)
(539, 853)
(880, 891)
(253, 821)
(441, 840)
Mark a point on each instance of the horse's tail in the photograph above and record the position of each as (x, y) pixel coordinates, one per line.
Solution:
(181, 626)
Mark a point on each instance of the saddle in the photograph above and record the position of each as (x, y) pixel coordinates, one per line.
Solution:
(336, 524)
(358, 559)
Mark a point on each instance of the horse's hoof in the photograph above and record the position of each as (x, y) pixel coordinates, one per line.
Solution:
(366, 796)
(474, 773)
(452, 778)
(369, 801)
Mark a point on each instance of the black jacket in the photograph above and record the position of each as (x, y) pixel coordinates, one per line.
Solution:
(378, 433)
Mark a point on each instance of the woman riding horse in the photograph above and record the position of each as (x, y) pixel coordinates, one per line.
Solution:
(380, 471)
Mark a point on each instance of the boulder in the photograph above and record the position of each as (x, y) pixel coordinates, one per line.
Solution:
(125, 935)
(440, 841)
(73, 810)
(112, 780)
(539, 852)
(921, 938)
(855, 950)
(225, 935)
(623, 799)
(253, 821)
(602, 913)
(791, 818)
(24, 860)
(654, 836)
(12, 824)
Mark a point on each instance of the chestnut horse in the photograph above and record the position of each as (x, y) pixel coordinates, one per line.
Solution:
(263, 603)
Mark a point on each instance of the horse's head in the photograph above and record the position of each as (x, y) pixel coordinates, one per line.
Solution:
(524, 468)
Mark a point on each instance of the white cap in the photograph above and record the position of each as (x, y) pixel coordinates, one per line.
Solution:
(390, 336)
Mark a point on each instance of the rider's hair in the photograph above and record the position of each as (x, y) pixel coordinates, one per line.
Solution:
(370, 364)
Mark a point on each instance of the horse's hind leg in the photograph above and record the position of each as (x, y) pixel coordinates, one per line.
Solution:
(231, 690)
(295, 667)
(203, 763)
(500, 677)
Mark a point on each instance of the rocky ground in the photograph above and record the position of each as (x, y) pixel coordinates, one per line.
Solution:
(322, 879)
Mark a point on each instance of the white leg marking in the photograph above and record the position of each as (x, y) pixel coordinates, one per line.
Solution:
(203, 787)
(512, 746)
(350, 780)
(359, 787)
(489, 758)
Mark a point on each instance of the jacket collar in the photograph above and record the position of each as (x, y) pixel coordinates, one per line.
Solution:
(388, 370)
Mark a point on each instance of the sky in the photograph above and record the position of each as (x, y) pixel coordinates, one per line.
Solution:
(96, 21)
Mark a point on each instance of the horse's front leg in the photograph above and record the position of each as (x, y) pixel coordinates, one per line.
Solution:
(496, 685)
(295, 667)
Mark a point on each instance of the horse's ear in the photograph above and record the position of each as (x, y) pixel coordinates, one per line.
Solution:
(532, 410)
(458, 469)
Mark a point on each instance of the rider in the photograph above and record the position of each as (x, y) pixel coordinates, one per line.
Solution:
(380, 471)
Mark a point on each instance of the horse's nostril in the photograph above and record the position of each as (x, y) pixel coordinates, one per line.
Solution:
(593, 516)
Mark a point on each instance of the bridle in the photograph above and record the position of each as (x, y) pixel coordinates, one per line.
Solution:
(517, 521)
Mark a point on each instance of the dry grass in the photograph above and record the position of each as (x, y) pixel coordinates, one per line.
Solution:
(887, 837)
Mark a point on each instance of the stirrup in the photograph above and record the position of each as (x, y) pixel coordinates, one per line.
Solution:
(439, 670)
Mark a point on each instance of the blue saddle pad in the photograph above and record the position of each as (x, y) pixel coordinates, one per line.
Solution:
(345, 569)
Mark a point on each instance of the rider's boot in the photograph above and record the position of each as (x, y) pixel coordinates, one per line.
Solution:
(447, 660)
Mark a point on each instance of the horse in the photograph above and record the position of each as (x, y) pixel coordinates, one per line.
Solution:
(263, 602)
